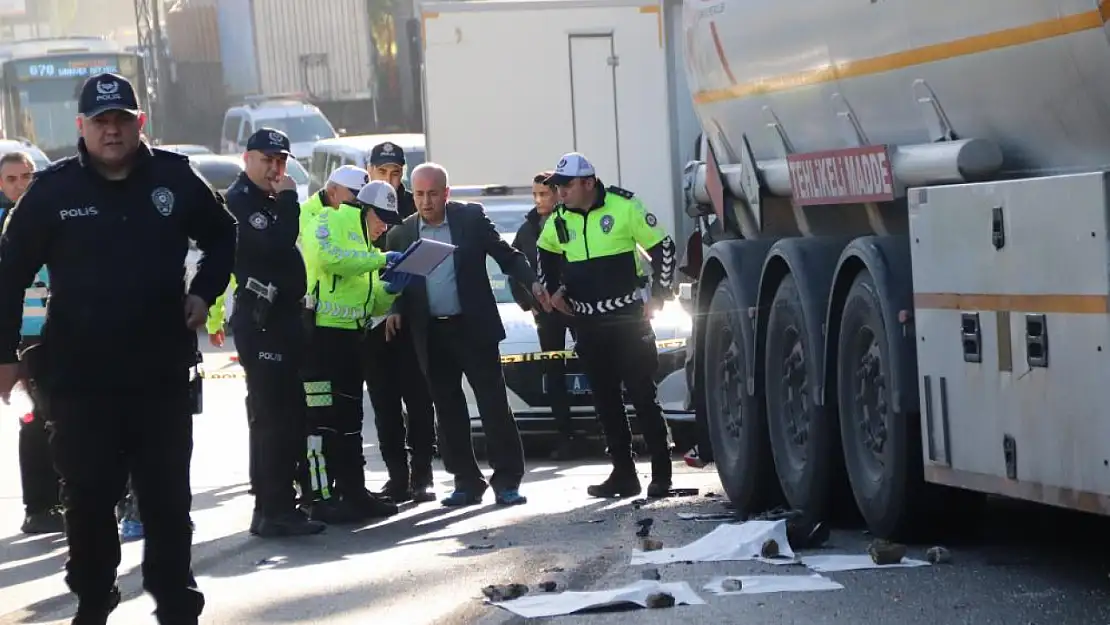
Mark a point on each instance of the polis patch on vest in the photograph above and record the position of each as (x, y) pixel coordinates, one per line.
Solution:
(163, 200)
(607, 224)
(651, 220)
(258, 221)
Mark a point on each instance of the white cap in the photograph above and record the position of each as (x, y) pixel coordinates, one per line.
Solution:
(380, 195)
(572, 165)
(350, 176)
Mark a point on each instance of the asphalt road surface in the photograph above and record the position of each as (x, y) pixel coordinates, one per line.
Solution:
(1022, 565)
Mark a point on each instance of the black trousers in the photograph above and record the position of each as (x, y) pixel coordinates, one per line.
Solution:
(271, 358)
(333, 391)
(392, 375)
(616, 349)
(552, 329)
(39, 481)
(450, 355)
(97, 442)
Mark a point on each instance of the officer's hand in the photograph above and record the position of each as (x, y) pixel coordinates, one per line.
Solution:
(9, 375)
(559, 302)
(196, 312)
(542, 298)
(391, 258)
(285, 184)
(217, 339)
(392, 325)
(398, 284)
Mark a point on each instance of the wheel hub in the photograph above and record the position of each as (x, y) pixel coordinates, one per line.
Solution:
(732, 385)
(870, 400)
(794, 393)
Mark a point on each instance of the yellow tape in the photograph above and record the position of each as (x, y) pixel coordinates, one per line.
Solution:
(570, 355)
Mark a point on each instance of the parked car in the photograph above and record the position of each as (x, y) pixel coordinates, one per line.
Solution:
(185, 148)
(19, 145)
(331, 154)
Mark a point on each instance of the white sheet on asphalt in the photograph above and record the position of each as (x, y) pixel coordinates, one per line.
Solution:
(730, 541)
(760, 584)
(559, 604)
(853, 562)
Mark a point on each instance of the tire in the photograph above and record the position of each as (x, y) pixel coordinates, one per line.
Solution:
(805, 439)
(887, 485)
(737, 428)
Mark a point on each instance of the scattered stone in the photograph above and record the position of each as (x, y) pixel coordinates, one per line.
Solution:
(504, 592)
(651, 544)
(732, 584)
(712, 495)
(884, 552)
(554, 569)
(650, 574)
(645, 527)
(683, 492)
(770, 549)
(549, 585)
(481, 547)
(938, 555)
(660, 600)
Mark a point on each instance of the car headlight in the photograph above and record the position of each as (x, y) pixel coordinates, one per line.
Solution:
(673, 316)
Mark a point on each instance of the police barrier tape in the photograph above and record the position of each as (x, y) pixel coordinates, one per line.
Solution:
(507, 359)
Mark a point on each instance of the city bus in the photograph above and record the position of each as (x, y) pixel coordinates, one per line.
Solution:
(41, 79)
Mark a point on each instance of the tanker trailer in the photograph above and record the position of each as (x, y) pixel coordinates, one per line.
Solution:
(902, 221)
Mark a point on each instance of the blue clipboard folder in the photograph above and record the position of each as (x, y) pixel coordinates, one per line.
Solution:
(420, 259)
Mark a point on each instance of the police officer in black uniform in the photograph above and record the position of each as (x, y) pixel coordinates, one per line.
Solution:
(269, 334)
(408, 444)
(112, 226)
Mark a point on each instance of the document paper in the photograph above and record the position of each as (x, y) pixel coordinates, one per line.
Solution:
(421, 258)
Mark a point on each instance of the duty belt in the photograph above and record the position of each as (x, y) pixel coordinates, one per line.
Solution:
(603, 306)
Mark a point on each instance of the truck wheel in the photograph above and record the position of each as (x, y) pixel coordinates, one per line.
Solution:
(882, 449)
(737, 430)
(804, 437)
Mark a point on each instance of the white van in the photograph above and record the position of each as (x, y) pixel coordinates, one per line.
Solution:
(304, 123)
(331, 154)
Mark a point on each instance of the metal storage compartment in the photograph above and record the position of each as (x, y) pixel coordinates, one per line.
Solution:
(321, 49)
(193, 32)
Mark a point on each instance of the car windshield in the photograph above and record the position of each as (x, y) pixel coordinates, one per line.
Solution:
(296, 171)
(499, 282)
(220, 174)
(301, 128)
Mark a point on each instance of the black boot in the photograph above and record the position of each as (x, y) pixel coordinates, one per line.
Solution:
(45, 522)
(291, 523)
(88, 614)
(368, 506)
(622, 482)
(423, 483)
(660, 485)
(398, 487)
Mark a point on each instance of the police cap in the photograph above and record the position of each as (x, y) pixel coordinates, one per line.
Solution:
(107, 92)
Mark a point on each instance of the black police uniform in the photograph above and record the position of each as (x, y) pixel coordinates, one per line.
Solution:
(116, 351)
(552, 328)
(393, 374)
(593, 254)
(271, 342)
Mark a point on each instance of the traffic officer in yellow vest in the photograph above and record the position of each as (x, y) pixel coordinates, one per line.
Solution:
(597, 230)
(343, 280)
(341, 188)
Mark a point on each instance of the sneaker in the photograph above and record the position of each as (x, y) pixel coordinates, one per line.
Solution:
(130, 529)
(47, 522)
(462, 498)
(509, 497)
(693, 459)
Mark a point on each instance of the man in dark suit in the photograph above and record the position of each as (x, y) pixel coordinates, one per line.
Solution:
(456, 329)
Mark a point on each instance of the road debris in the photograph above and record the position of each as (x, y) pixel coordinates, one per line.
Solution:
(549, 585)
(650, 574)
(504, 592)
(683, 492)
(660, 600)
(853, 562)
(729, 541)
(761, 584)
(938, 555)
(732, 584)
(480, 547)
(885, 553)
(770, 549)
(554, 569)
(645, 527)
(707, 516)
(651, 544)
(635, 594)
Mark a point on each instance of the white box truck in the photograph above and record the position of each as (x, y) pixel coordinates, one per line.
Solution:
(512, 85)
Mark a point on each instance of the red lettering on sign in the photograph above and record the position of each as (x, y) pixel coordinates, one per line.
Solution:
(847, 176)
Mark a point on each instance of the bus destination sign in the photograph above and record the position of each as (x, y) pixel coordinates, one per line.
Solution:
(62, 67)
